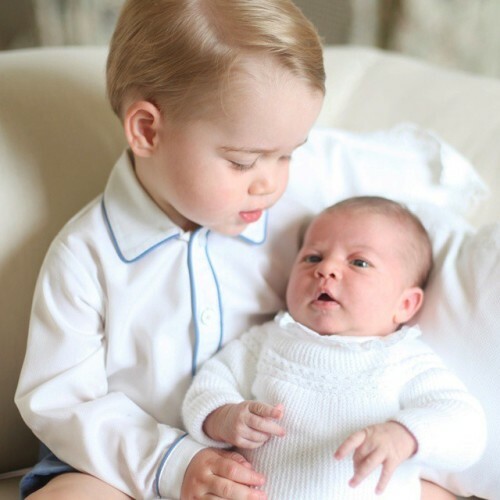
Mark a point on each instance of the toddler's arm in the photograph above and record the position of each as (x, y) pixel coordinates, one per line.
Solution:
(387, 444)
(247, 425)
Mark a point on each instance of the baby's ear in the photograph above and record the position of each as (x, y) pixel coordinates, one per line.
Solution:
(141, 124)
(409, 303)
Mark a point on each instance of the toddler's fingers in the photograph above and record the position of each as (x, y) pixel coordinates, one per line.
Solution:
(229, 467)
(233, 455)
(350, 444)
(220, 487)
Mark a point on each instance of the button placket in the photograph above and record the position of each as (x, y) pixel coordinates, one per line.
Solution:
(205, 299)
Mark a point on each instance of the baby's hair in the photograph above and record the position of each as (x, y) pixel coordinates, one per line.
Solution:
(418, 251)
(178, 54)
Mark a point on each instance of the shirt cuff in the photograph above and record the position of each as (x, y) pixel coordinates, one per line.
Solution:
(172, 468)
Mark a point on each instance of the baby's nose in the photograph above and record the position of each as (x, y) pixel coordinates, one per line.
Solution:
(327, 269)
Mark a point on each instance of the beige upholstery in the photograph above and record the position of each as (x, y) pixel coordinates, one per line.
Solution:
(58, 140)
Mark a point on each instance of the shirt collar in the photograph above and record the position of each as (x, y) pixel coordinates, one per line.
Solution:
(137, 225)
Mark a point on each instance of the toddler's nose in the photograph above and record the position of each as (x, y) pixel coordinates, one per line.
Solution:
(263, 185)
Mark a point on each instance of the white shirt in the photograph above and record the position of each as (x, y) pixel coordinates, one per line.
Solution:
(126, 308)
(332, 386)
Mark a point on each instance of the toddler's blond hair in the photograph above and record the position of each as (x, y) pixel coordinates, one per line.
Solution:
(178, 54)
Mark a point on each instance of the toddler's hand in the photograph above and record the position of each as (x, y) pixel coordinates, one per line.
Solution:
(245, 425)
(386, 444)
(222, 474)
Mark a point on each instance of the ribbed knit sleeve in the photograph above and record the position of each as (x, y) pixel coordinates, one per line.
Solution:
(447, 421)
(226, 378)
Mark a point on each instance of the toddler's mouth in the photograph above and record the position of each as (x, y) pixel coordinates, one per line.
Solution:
(251, 216)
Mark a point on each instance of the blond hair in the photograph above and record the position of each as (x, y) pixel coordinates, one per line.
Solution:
(417, 252)
(179, 53)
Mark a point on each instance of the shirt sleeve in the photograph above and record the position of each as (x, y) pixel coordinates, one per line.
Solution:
(64, 396)
(448, 423)
(226, 378)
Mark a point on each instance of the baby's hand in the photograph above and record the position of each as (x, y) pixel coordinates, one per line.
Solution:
(245, 425)
(386, 444)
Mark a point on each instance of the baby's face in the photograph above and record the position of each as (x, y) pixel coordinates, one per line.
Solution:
(349, 277)
(223, 170)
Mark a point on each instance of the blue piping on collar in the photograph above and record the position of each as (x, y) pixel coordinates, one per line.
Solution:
(115, 242)
(156, 245)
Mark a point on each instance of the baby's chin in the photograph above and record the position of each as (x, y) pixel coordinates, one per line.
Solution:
(327, 328)
(319, 326)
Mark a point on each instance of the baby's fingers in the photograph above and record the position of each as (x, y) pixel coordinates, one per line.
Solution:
(263, 418)
(350, 444)
(364, 464)
(388, 469)
(265, 410)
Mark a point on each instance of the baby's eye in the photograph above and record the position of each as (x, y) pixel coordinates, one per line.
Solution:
(312, 258)
(360, 263)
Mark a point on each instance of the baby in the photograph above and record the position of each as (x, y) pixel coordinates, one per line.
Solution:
(346, 398)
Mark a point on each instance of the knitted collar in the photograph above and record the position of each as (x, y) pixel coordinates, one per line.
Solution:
(296, 329)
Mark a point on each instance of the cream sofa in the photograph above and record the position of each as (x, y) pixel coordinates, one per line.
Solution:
(58, 140)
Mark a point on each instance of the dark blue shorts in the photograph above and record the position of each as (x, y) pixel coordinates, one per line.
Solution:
(46, 469)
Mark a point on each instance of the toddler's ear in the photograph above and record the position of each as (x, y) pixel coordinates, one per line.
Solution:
(409, 303)
(141, 124)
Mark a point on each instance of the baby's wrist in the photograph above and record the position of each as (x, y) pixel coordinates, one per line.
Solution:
(213, 424)
(411, 439)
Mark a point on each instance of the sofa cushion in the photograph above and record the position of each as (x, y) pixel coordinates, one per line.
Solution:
(58, 141)
(9, 488)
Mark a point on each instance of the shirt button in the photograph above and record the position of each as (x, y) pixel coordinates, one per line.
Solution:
(208, 317)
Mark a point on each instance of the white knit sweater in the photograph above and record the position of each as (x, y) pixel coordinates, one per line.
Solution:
(331, 387)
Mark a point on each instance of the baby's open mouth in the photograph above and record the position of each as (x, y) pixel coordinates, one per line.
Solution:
(324, 297)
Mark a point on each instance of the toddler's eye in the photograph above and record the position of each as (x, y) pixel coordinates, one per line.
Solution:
(360, 263)
(312, 258)
(241, 166)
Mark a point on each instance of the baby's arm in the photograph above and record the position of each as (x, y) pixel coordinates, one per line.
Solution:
(246, 425)
(222, 393)
(435, 411)
(387, 444)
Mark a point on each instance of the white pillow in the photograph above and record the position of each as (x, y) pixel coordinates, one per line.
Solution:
(406, 163)
(461, 321)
